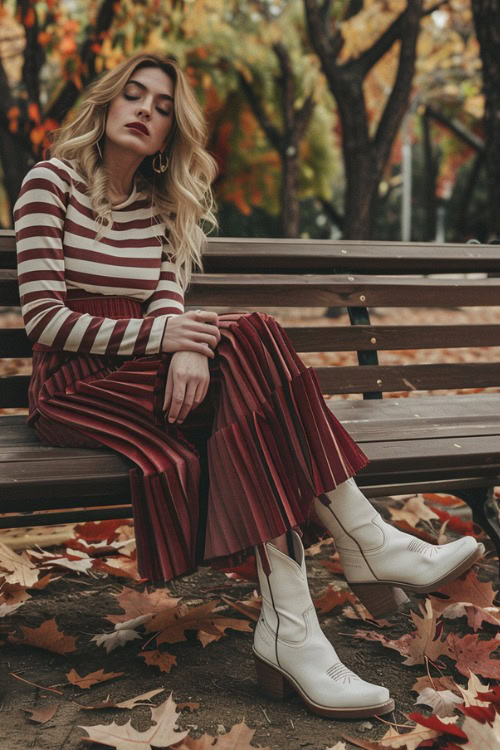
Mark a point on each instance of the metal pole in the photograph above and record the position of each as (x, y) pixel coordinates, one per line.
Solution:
(406, 182)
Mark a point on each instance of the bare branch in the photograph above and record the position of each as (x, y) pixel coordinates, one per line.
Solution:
(372, 55)
(270, 130)
(466, 135)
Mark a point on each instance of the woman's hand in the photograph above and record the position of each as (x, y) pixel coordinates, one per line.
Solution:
(194, 331)
(187, 384)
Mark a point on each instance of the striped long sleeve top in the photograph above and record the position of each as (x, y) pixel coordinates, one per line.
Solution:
(55, 231)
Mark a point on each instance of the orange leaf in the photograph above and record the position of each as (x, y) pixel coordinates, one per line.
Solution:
(161, 659)
(42, 715)
(332, 598)
(91, 679)
(48, 637)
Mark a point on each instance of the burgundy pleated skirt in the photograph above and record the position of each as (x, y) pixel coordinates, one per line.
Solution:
(243, 467)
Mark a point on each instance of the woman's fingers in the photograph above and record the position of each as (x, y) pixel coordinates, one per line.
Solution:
(188, 402)
(168, 390)
(177, 400)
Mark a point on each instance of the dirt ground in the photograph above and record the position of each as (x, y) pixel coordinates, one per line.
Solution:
(220, 677)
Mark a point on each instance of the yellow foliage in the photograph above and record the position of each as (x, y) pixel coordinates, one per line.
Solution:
(363, 29)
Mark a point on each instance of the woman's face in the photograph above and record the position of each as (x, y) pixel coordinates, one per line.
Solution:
(147, 98)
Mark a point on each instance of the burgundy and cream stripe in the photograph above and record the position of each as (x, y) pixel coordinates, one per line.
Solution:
(56, 252)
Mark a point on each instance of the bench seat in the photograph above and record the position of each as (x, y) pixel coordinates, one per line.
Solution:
(430, 443)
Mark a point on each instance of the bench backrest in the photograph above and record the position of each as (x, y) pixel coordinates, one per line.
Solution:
(251, 274)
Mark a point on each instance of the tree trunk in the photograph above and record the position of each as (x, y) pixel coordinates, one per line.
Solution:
(487, 23)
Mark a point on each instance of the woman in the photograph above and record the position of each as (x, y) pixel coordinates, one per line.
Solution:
(230, 441)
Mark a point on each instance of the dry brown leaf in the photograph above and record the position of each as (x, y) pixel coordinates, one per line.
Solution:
(249, 607)
(332, 598)
(126, 567)
(161, 659)
(91, 679)
(413, 511)
(425, 640)
(172, 623)
(473, 655)
(42, 715)
(17, 568)
(163, 733)
(442, 702)
(438, 683)
(189, 706)
(47, 636)
(409, 740)
(359, 612)
(137, 603)
(238, 738)
(468, 588)
(139, 700)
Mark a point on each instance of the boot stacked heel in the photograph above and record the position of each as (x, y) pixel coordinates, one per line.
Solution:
(270, 681)
(380, 599)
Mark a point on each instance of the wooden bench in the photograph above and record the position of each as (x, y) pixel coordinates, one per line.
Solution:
(429, 443)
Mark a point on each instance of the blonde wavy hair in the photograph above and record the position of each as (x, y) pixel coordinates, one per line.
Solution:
(182, 196)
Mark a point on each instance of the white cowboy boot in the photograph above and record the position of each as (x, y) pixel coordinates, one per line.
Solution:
(380, 560)
(292, 653)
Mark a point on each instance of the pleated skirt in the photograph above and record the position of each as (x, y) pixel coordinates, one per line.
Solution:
(242, 468)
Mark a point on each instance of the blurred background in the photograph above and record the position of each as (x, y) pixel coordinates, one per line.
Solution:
(374, 119)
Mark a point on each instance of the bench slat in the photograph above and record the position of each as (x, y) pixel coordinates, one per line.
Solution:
(408, 377)
(312, 290)
(349, 379)
(15, 343)
(250, 254)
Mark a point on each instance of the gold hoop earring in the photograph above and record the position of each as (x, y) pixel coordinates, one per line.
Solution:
(161, 167)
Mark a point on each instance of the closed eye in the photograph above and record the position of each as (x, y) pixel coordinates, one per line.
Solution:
(162, 111)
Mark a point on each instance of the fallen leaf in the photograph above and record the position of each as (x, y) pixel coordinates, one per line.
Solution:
(163, 733)
(482, 735)
(95, 531)
(238, 738)
(466, 528)
(48, 637)
(468, 588)
(442, 702)
(472, 655)
(246, 570)
(249, 607)
(91, 679)
(78, 563)
(42, 715)
(400, 644)
(129, 704)
(409, 740)
(413, 511)
(444, 725)
(442, 499)
(137, 603)
(172, 623)
(474, 688)
(189, 706)
(161, 659)
(332, 597)
(359, 612)
(17, 568)
(117, 638)
(438, 683)
(425, 641)
(120, 565)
